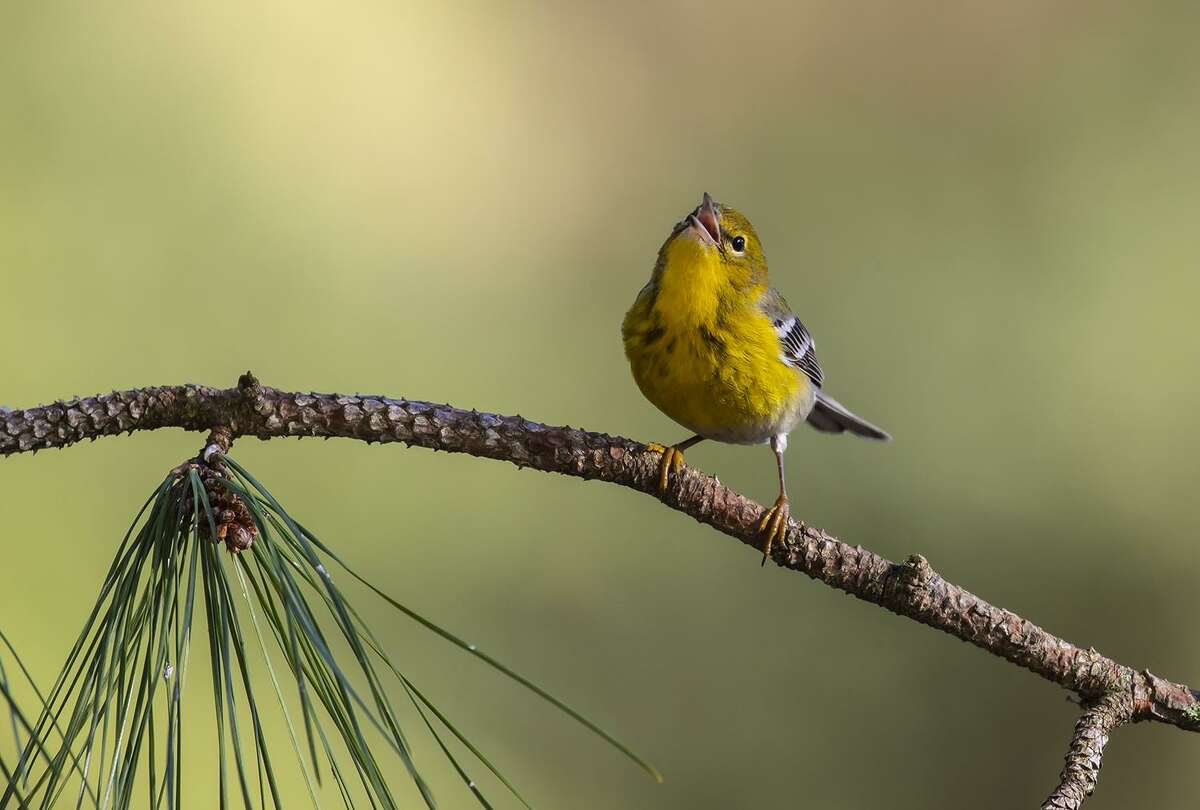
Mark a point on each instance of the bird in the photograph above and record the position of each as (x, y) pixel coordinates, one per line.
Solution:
(718, 350)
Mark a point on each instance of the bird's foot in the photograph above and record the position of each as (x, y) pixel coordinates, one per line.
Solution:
(773, 525)
(671, 462)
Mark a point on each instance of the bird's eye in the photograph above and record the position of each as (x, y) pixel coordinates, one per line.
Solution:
(738, 243)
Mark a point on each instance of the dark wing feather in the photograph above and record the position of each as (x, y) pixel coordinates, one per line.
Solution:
(799, 350)
(796, 347)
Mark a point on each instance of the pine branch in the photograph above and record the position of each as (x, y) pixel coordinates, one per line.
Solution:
(1113, 693)
(1079, 775)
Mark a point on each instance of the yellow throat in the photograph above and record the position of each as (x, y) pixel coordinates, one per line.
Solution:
(699, 346)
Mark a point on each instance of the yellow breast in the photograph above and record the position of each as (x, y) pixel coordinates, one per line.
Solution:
(704, 353)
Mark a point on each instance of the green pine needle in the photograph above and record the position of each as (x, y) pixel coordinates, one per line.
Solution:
(112, 725)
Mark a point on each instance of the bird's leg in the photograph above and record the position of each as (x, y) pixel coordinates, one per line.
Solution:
(672, 459)
(774, 523)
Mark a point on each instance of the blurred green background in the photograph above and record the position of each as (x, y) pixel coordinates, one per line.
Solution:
(984, 212)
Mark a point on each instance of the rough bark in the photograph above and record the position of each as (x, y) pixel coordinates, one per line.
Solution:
(1082, 769)
(1114, 693)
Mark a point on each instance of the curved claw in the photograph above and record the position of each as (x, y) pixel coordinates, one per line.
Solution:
(774, 524)
(671, 462)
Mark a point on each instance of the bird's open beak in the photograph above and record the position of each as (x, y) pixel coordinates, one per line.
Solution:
(704, 221)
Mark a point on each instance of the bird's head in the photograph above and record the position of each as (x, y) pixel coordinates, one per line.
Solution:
(719, 237)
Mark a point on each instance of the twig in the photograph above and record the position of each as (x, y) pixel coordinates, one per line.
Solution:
(911, 589)
(1079, 775)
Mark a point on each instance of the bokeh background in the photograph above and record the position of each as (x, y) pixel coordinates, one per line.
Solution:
(984, 211)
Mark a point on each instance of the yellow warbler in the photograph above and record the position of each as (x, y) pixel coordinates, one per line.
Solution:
(718, 350)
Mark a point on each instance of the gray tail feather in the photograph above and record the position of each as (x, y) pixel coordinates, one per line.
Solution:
(831, 416)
